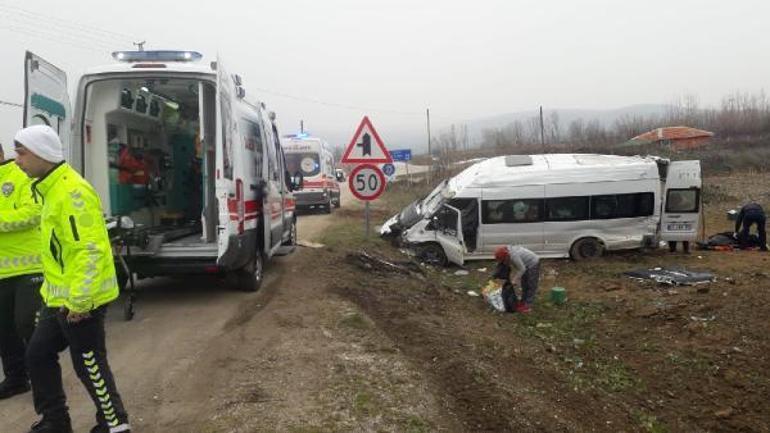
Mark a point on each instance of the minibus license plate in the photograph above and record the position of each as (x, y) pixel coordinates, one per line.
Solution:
(679, 227)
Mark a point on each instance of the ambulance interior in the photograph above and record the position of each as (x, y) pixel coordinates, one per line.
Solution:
(148, 160)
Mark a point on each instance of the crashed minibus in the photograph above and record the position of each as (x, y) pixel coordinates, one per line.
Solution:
(557, 205)
(191, 172)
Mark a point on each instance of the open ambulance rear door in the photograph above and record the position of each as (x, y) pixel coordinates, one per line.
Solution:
(229, 192)
(46, 101)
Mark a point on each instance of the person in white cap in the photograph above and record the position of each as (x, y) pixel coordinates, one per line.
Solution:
(79, 283)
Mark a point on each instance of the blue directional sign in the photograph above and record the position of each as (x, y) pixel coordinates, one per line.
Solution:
(401, 154)
(389, 169)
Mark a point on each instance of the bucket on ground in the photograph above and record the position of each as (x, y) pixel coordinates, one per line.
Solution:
(558, 295)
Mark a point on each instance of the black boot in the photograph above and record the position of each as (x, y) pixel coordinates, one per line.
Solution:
(10, 388)
(52, 426)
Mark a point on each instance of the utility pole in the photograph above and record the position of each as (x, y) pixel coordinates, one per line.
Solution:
(430, 154)
(542, 129)
(301, 126)
(427, 112)
(140, 45)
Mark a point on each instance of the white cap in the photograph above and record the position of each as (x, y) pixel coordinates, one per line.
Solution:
(43, 141)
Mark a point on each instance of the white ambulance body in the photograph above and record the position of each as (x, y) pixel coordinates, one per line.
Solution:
(194, 172)
(312, 159)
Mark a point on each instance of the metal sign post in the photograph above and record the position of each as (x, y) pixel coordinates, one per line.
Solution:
(366, 180)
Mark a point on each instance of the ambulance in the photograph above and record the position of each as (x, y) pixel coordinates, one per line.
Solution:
(189, 170)
(312, 159)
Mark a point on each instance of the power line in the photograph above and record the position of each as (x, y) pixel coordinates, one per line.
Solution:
(58, 38)
(68, 24)
(342, 106)
(81, 35)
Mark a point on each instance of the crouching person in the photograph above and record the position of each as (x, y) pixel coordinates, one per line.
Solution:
(79, 282)
(518, 265)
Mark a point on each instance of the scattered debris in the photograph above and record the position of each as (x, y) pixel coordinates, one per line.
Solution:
(308, 244)
(473, 293)
(672, 277)
(482, 270)
(703, 319)
(703, 290)
(725, 413)
(371, 262)
(462, 273)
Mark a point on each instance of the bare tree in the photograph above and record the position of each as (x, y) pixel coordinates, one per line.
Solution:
(577, 132)
(554, 128)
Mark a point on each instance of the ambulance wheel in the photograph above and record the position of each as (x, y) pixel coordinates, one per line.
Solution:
(249, 279)
(328, 206)
(432, 254)
(586, 249)
(292, 241)
(338, 202)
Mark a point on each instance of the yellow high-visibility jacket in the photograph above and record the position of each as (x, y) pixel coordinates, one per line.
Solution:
(77, 256)
(19, 223)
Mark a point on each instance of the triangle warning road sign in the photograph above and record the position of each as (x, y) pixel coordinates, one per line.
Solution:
(366, 146)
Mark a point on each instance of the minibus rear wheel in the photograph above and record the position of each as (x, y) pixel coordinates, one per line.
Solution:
(586, 249)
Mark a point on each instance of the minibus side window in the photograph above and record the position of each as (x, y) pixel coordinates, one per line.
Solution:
(515, 211)
(622, 205)
(567, 208)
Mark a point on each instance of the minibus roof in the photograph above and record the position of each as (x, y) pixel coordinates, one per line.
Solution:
(519, 170)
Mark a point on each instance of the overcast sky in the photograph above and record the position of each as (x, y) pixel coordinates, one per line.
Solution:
(392, 59)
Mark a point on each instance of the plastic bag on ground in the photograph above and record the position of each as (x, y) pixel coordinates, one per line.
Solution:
(493, 294)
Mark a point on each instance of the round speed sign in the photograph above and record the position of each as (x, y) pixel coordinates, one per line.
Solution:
(366, 182)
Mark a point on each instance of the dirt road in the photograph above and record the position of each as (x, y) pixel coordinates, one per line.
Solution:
(197, 350)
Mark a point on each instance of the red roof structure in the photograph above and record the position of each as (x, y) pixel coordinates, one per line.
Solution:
(678, 137)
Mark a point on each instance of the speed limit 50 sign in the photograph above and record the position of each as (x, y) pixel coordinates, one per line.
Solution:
(367, 182)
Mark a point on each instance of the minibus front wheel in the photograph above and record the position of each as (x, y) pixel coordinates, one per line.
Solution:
(432, 254)
(586, 249)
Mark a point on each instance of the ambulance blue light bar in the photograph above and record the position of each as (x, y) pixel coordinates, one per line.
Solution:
(157, 56)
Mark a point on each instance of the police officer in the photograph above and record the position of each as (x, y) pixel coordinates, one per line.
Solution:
(751, 214)
(20, 273)
(79, 282)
